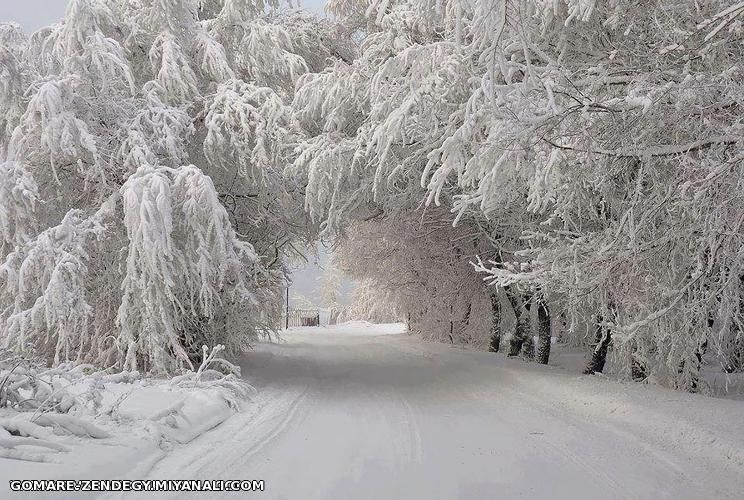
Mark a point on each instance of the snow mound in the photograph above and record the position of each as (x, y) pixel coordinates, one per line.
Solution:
(74, 418)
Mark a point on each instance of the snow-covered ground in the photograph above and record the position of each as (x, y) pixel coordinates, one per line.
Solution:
(361, 411)
(76, 423)
(356, 327)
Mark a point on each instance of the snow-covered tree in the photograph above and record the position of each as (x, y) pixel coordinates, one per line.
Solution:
(370, 302)
(144, 209)
(601, 140)
(585, 155)
(621, 147)
(330, 289)
(370, 126)
(416, 268)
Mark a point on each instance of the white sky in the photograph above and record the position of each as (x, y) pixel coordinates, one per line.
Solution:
(307, 280)
(32, 14)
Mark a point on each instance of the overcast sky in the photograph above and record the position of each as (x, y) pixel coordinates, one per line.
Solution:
(33, 14)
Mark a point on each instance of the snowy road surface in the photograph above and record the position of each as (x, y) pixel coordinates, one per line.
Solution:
(359, 415)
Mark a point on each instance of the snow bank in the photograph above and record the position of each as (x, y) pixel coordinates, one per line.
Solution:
(704, 427)
(72, 421)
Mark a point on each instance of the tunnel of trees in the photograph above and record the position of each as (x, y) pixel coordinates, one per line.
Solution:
(492, 172)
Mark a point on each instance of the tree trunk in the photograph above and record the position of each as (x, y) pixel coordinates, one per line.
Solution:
(699, 353)
(638, 371)
(543, 332)
(735, 357)
(521, 307)
(495, 342)
(602, 339)
(466, 317)
(735, 354)
(563, 327)
(452, 326)
(637, 368)
(528, 348)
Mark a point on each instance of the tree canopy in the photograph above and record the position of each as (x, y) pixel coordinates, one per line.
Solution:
(161, 159)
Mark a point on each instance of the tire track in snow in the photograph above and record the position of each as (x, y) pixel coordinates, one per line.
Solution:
(351, 415)
(414, 433)
(275, 432)
(226, 448)
(594, 471)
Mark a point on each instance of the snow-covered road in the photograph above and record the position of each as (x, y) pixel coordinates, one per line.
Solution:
(361, 415)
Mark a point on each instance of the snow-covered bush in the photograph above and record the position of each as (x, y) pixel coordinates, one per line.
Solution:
(48, 411)
(35, 405)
